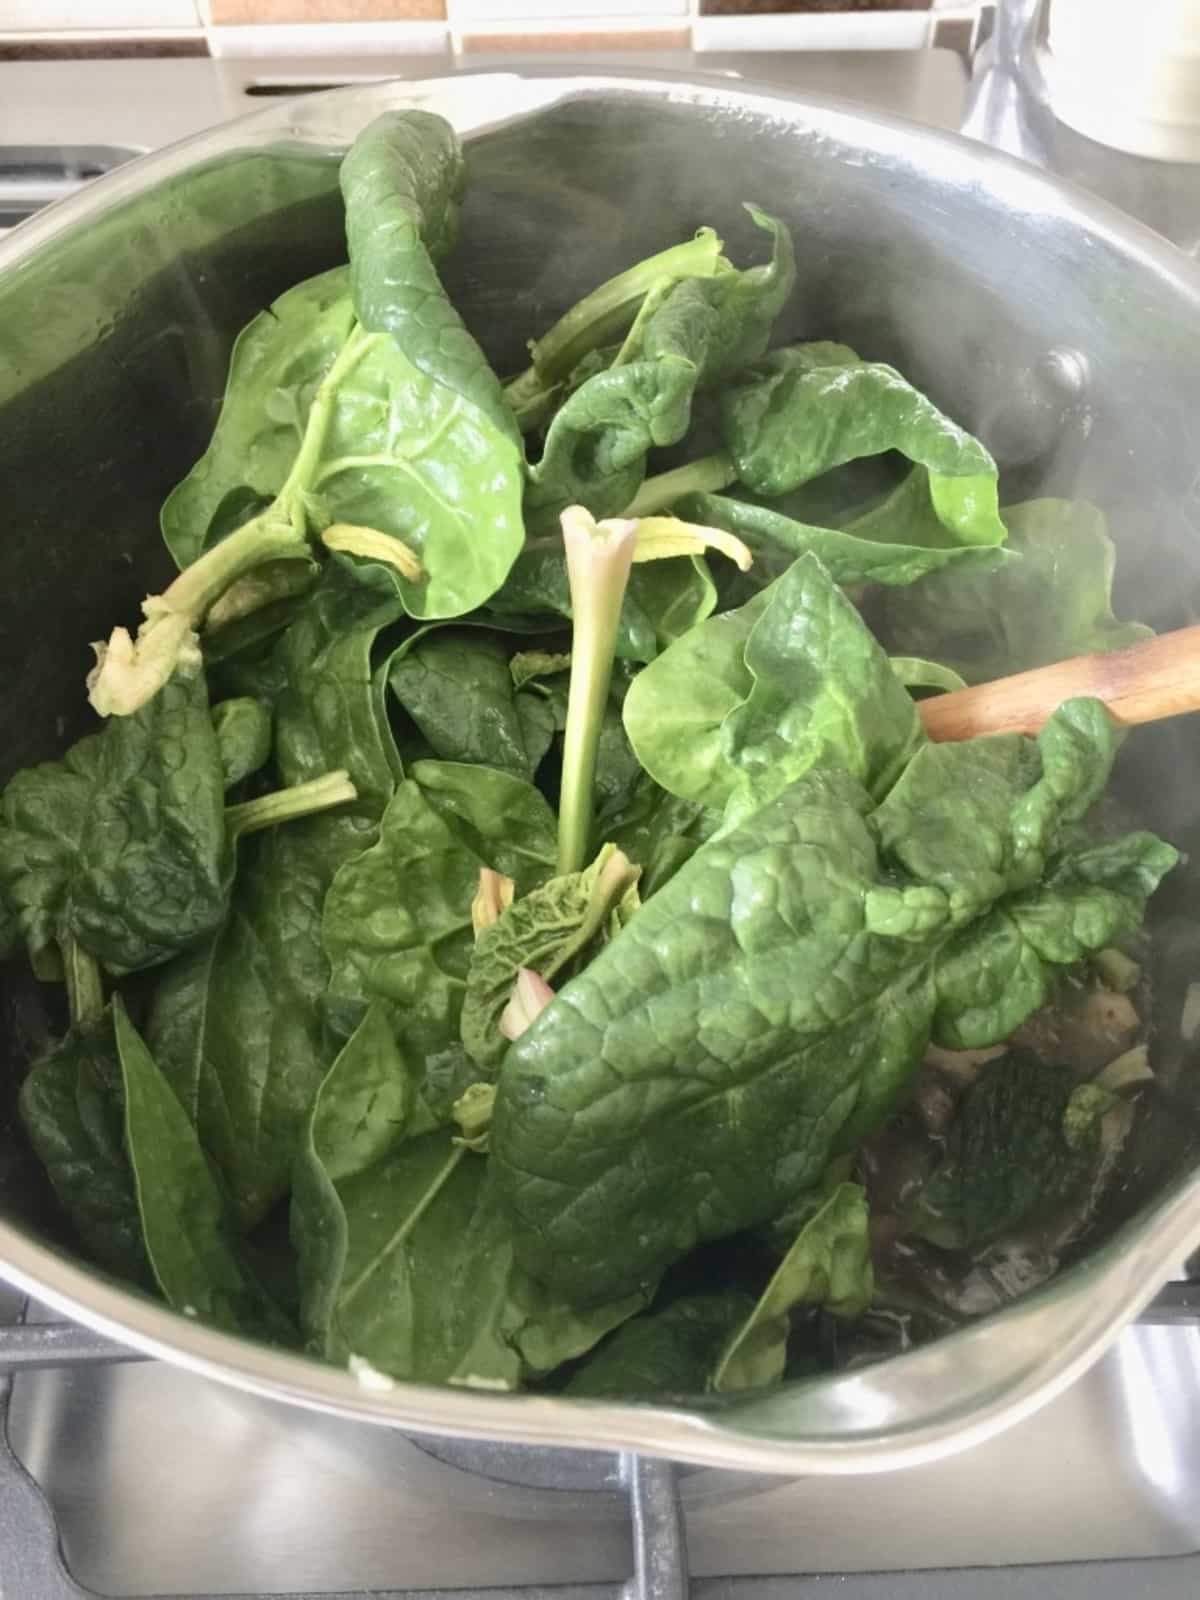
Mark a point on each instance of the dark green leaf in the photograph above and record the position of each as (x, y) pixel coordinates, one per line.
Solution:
(504, 821)
(1050, 600)
(812, 407)
(658, 831)
(243, 729)
(277, 363)
(770, 1004)
(752, 698)
(394, 451)
(598, 440)
(849, 557)
(73, 1109)
(664, 1354)
(829, 1264)
(184, 1224)
(397, 927)
(238, 1026)
(1026, 1136)
(402, 180)
(121, 845)
(405, 1258)
(459, 691)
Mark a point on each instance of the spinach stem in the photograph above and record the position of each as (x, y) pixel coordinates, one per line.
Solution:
(85, 991)
(265, 538)
(599, 556)
(707, 475)
(284, 805)
(320, 413)
(606, 311)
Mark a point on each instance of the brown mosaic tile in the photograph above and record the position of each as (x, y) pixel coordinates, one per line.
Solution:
(591, 39)
(747, 8)
(84, 49)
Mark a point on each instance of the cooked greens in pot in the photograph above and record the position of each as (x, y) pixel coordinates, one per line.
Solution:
(514, 857)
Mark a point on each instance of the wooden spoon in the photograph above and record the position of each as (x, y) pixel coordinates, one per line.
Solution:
(1141, 683)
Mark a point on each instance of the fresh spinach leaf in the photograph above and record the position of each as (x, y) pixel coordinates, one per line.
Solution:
(335, 425)
(405, 1259)
(658, 831)
(243, 730)
(1050, 600)
(598, 440)
(459, 691)
(505, 822)
(812, 407)
(580, 334)
(664, 1354)
(915, 673)
(752, 698)
(184, 1222)
(849, 557)
(122, 844)
(402, 181)
(829, 1264)
(544, 931)
(768, 1006)
(238, 1025)
(276, 367)
(397, 927)
(72, 1107)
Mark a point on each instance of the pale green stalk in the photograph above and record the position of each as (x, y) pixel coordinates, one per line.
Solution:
(599, 556)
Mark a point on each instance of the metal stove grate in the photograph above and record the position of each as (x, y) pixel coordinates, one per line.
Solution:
(32, 1567)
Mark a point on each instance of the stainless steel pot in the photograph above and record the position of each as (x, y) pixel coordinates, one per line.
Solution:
(1068, 337)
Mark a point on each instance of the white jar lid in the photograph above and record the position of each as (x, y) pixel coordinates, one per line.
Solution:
(1127, 74)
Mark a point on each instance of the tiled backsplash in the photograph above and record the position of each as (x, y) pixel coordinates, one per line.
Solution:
(280, 27)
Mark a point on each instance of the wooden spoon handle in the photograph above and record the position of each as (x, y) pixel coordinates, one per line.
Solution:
(1141, 683)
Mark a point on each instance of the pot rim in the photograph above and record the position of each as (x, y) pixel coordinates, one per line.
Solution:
(842, 1425)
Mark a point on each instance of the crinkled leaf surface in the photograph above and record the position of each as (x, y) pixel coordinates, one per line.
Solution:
(812, 407)
(767, 1007)
(402, 181)
(542, 931)
(846, 553)
(243, 729)
(754, 697)
(405, 1254)
(237, 1025)
(72, 1107)
(121, 845)
(458, 689)
(598, 440)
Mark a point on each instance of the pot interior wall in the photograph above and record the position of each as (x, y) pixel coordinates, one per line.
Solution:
(1077, 361)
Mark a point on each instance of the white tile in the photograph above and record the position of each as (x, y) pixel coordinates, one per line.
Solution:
(330, 39)
(97, 15)
(627, 27)
(514, 14)
(851, 30)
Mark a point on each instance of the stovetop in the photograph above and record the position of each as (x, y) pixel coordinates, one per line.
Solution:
(128, 1478)
(124, 1477)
